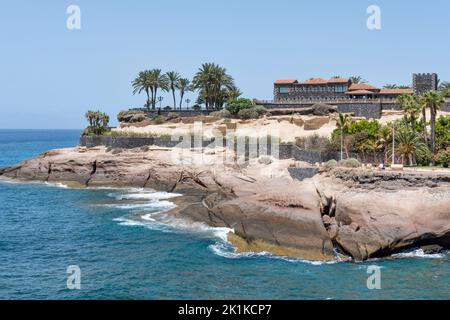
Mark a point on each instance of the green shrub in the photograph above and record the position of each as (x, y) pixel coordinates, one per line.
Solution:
(237, 105)
(158, 120)
(424, 158)
(443, 157)
(331, 163)
(350, 163)
(223, 114)
(443, 132)
(127, 115)
(246, 114)
(314, 142)
(260, 109)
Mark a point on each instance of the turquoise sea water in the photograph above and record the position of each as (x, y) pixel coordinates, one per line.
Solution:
(124, 251)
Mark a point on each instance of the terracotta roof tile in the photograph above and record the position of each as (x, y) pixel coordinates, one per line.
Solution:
(339, 80)
(315, 81)
(362, 86)
(396, 91)
(286, 81)
(361, 92)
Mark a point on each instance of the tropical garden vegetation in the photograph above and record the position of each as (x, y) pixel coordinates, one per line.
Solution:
(415, 140)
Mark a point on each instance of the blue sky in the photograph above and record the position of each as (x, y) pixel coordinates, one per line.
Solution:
(50, 76)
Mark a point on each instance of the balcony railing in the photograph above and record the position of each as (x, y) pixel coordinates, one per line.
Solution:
(327, 101)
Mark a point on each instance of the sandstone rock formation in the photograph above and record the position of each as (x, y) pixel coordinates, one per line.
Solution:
(359, 214)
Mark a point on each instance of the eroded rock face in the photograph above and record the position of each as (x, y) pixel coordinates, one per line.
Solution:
(361, 214)
(263, 220)
(391, 221)
(379, 213)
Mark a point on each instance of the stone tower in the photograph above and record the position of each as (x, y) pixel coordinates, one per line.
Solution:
(423, 82)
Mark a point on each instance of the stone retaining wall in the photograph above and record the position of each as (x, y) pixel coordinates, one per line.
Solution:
(364, 110)
(243, 148)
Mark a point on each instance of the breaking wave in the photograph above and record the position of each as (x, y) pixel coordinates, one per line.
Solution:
(148, 209)
(418, 253)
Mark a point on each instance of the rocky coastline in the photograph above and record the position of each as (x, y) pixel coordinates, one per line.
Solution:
(354, 214)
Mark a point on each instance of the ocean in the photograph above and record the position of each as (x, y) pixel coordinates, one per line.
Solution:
(126, 248)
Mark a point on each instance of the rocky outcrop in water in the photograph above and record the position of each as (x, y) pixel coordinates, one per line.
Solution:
(356, 213)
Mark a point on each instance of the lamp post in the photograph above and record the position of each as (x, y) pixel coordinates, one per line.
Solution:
(160, 99)
(187, 103)
(342, 143)
(393, 143)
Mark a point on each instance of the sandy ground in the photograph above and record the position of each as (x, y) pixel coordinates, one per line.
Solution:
(389, 116)
(287, 128)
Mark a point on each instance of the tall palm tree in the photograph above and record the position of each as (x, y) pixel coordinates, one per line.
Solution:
(445, 89)
(143, 82)
(233, 93)
(343, 123)
(158, 81)
(358, 80)
(423, 106)
(444, 85)
(411, 107)
(408, 145)
(434, 101)
(174, 78)
(384, 138)
(210, 80)
(184, 85)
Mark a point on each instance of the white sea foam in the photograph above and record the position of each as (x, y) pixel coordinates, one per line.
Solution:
(157, 205)
(57, 185)
(144, 196)
(418, 253)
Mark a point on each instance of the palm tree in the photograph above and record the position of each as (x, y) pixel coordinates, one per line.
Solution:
(143, 83)
(173, 78)
(410, 106)
(384, 139)
(421, 102)
(233, 93)
(445, 89)
(396, 86)
(408, 145)
(158, 81)
(184, 85)
(434, 101)
(444, 85)
(210, 80)
(358, 80)
(343, 123)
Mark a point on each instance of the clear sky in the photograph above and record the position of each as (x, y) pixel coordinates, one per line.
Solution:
(49, 75)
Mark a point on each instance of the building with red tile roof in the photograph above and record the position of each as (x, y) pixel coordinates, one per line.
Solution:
(323, 90)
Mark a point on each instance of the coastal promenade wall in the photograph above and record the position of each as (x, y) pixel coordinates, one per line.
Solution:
(244, 148)
(365, 109)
